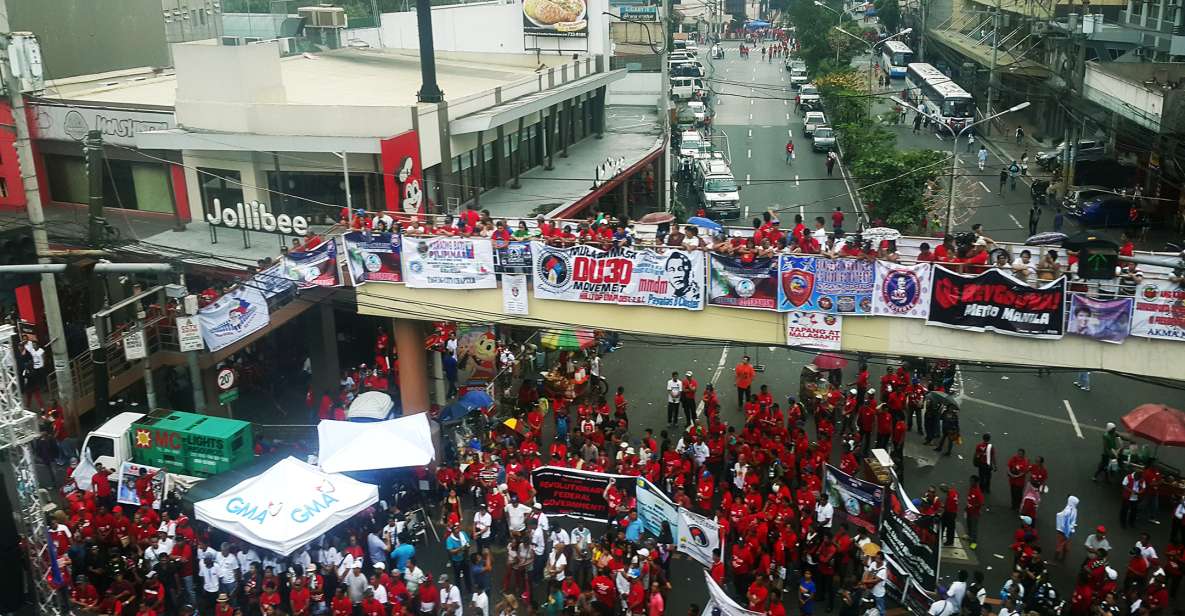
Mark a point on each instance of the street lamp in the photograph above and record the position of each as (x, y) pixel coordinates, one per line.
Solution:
(872, 55)
(838, 20)
(954, 148)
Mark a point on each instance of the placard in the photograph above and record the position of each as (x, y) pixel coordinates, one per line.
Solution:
(814, 330)
(623, 276)
(998, 302)
(1159, 311)
(902, 290)
(448, 263)
(92, 338)
(233, 316)
(514, 258)
(374, 257)
(139, 483)
(698, 536)
(1105, 320)
(821, 284)
(189, 334)
(514, 294)
(135, 345)
(859, 501)
(576, 493)
(654, 508)
(735, 284)
(314, 267)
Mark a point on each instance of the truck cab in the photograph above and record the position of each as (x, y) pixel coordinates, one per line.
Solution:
(109, 444)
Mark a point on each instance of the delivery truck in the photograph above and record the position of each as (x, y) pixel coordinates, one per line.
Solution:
(181, 443)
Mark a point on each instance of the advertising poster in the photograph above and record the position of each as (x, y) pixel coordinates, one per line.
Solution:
(316, 267)
(859, 500)
(477, 354)
(911, 540)
(624, 276)
(576, 493)
(1159, 311)
(232, 317)
(555, 18)
(141, 485)
(403, 176)
(743, 285)
(814, 330)
(135, 345)
(902, 290)
(698, 536)
(997, 302)
(448, 263)
(374, 257)
(1105, 320)
(514, 294)
(820, 284)
(515, 258)
(654, 508)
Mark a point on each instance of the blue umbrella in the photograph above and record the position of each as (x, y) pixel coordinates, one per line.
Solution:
(476, 399)
(757, 23)
(454, 412)
(705, 223)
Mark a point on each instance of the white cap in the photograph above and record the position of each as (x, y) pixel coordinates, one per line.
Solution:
(1112, 574)
(380, 565)
(1110, 426)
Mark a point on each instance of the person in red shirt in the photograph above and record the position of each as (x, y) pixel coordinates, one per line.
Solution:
(371, 606)
(973, 507)
(924, 253)
(1018, 470)
(884, 427)
(758, 594)
(741, 563)
(83, 594)
(341, 604)
(299, 597)
(950, 513)
(945, 252)
(604, 589)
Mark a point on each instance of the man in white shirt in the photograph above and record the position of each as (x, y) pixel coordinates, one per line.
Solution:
(559, 535)
(876, 570)
(541, 518)
(557, 564)
(824, 512)
(450, 598)
(516, 515)
(482, 521)
(413, 576)
(674, 390)
(380, 591)
(246, 557)
(1024, 267)
(942, 607)
(480, 602)
(539, 551)
(228, 570)
(208, 572)
(957, 589)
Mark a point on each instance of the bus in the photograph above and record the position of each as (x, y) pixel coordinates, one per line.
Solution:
(895, 57)
(939, 95)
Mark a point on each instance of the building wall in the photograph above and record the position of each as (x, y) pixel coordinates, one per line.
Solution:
(83, 37)
(636, 89)
(12, 191)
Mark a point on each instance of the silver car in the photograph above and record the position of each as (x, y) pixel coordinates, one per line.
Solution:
(823, 139)
(813, 120)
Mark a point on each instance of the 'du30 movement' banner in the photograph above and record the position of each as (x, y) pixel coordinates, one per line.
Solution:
(670, 279)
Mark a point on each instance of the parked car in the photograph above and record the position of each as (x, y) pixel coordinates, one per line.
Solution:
(699, 110)
(1104, 211)
(798, 77)
(823, 139)
(1077, 196)
(1088, 149)
(808, 98)
(812, 120)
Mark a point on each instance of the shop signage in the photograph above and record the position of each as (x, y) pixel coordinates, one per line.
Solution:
(119, 126)
(189, 334)
(254, 216)
(403, 174)
(641, 13)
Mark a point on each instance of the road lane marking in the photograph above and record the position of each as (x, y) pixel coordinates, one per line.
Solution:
(750, 153)
(1018, 225)
(787, 117)
(750, 116)
(699, 408)
(1012, 409)
(984, 186)
(796, 180)
(747, 182)
(750, 101)
(746, 211)
(790, 131)
(785, 102)
(802, 211)
(750, 133)
(1073, 419)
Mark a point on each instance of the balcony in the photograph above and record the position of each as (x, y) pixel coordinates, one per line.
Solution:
(1140, 92)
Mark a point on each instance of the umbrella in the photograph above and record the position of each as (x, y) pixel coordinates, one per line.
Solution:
(829, 361)
(656, 218)
(1158, 423)
(705, 223)
(943, 398)
(476, 399)
(567, 339)
(1046, 238)
(880, 234)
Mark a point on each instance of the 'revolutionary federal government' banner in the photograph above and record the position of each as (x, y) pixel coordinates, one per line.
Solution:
(998, 302)
(577, 493)
(736, 284)
(232, 317)
(374, 257)
(1159, 311)
(670, 279)
(821, 284)
(902, 290)
(448, 263)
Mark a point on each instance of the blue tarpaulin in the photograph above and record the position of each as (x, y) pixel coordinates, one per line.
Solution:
(757, 23)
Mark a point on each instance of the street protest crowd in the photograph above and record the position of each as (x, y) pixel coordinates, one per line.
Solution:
(786, 547)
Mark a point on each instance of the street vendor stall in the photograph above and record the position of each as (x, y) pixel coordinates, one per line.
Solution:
(569, 376)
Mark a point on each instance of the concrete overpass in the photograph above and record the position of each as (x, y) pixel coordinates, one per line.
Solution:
(877, 335)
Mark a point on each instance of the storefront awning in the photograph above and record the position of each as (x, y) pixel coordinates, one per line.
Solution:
(981, 54)
(523, 106)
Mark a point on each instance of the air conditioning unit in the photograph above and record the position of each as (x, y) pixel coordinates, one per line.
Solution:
(323, 16)
(232, 41)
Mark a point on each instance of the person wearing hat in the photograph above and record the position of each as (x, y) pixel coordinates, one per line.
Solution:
(1112, 443)
(222, 606)
(450, 598)
(688, 397)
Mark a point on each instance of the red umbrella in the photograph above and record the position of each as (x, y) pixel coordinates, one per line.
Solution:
(829, 361)
(1158, 423)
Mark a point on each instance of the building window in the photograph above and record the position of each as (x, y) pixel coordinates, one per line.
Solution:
(1136, 8)
(126, 185)
(305, 192)
(221, 184)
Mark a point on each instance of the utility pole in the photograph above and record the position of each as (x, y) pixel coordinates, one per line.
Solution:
(93, 151)
(991, 89)
(1076, 53)
(922, 34)
(49, 289)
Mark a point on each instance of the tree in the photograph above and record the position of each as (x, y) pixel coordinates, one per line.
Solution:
(889, 14)
(894, 182)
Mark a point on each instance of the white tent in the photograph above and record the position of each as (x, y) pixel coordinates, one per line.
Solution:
(395, 443)
(370, 406)
(287, 506)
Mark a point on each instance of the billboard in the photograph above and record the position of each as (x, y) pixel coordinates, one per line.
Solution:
(403, 175)
(566, 18)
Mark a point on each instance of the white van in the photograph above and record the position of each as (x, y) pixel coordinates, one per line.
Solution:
(718, 192)
(686, 88)
(690, 143)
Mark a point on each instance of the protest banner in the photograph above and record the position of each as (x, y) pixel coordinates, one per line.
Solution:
(448, 263)
(733, 283)
(998, 302)
(823, 284)
(624, 276)
(1106, 320)
(374, 257)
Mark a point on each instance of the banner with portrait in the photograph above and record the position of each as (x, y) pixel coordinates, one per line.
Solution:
(623, 276)
(856, 500)
(698, 536)
(814, 330)
(997, 302)
(448, 263)
(374, 257)
(1105, 320)
(732, 283)
(576, 493)
(654, 508)
(314, 267)
(1159, 311)
(272, 282)
(513, 258)
(141, 485)
(902, 290)
(821, 284)
(232, 317)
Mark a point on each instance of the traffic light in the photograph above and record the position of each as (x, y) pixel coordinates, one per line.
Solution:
(17, 248)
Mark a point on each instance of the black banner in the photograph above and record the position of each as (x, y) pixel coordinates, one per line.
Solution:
(911, 541)
(999, 302)
(576, 493)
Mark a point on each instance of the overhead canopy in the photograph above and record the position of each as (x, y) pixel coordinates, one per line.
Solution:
(287, 506)
(395, 443)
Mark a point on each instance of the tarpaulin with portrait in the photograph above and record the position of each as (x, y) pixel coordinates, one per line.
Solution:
(1106, 320)
(374, 257)
(856, 500)
(624, 276)
(734, 283)
(576, 493)
(821, 284)
(998, 302)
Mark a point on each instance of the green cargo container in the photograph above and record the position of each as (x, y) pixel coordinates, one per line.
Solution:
(191, 444)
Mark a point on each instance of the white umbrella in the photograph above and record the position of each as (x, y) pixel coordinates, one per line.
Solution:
(395, 443)
(880, 234)
(371, 406)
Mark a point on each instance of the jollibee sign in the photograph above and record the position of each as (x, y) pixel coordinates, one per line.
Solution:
(255, 216)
